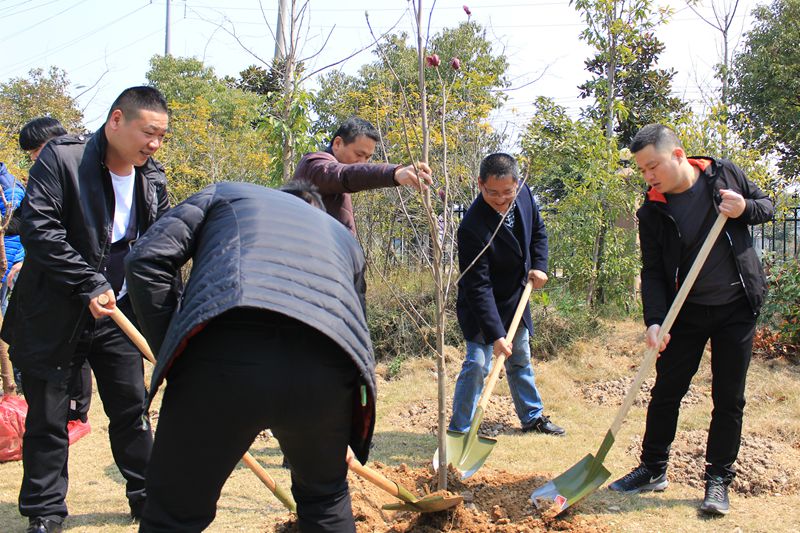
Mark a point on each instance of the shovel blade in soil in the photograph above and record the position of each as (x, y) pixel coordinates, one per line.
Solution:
(428, 504)
(580, 480)
(467, 452)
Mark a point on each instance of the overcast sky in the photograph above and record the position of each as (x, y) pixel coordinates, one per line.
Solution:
(105, 45)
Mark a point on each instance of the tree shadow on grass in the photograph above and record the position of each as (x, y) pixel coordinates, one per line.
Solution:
(112, 472)
(82, 520)
(396, 447)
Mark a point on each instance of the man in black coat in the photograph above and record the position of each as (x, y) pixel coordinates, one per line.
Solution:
(682, 201)
(87, 200)
(495, 268)
(32, 138)
(270, 332)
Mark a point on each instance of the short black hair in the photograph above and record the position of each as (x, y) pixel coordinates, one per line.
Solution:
(134, 99)
(352, 128)
(658, 135)
(305, 191)
(498, 165)
(38, 131)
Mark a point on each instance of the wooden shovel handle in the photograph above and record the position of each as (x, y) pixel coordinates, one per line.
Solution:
(138, 339)
(130, 330)
(500, 359)
(651, 354)
(374, 477)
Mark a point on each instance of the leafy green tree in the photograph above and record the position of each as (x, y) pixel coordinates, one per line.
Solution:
(629, 91)
(766, 83)
(214, 134)
(22, 99)
(588, 196)
(182, 79)
(459, 102)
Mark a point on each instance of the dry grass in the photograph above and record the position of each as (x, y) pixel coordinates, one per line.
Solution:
(97, 502)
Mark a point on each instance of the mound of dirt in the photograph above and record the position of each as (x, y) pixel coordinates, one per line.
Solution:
(494, 501)
(500, 417)
(613, 392)
(762, 466)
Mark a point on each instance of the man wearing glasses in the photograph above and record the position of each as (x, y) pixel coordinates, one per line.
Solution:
(495, 267)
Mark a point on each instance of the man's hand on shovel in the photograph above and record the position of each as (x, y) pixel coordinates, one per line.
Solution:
(103, 304)
(651, 338)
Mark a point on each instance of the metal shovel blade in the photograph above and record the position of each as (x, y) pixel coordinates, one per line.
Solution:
(468, 451)
(573, 485)
(429, 504)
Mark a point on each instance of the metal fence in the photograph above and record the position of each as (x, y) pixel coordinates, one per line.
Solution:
(779, 237)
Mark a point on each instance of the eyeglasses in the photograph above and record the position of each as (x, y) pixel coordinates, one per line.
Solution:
(491, 193)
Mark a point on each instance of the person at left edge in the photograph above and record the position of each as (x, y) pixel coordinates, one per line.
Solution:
(32, 138)
(87, 201)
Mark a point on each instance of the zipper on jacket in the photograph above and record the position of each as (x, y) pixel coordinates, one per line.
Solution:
(739, 272)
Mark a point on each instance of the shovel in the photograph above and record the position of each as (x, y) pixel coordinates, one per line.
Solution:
(429, 504)
(138, 339)
(467, 452)
(589, 473)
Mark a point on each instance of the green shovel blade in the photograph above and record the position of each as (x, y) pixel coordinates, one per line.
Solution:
(467, 452)
(573, 485)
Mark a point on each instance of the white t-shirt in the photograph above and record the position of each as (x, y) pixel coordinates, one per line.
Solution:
(123, 201)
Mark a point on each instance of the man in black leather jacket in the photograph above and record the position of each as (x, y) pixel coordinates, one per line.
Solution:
(683, 199)
(272, 320)
(87, 200)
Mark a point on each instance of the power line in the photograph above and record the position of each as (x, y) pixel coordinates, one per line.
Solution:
(117, 50)
(42, 21)
(74, 41)
(17, 5)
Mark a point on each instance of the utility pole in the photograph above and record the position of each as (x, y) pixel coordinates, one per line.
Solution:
(166, 33)
(280, 38)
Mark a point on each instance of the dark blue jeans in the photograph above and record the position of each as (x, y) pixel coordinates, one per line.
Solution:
(730, 328)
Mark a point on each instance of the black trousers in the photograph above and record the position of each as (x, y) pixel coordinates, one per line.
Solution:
(81, 394)
(119, 371)
(730, 328)
(246, 371)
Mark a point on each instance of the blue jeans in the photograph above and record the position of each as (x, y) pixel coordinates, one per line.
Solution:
(519, 371)
(5, 291)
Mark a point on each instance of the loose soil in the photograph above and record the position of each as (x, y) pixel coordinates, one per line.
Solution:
(500, 417)
(613, 392)
(761, 464)
(494, 501)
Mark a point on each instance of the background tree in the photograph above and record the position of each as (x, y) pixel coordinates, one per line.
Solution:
(766, 83)
(628, 90)
(22, 99)
(213, 128)
(586, 191)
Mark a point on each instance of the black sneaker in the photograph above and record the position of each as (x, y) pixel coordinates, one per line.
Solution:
(640, 479)
(716, 498)
(40, 524)
(543, 425)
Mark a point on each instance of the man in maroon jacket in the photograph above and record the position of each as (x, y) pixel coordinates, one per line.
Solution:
(344, 168)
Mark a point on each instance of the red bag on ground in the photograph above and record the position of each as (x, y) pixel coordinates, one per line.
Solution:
(12, 426)
(13, 410)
